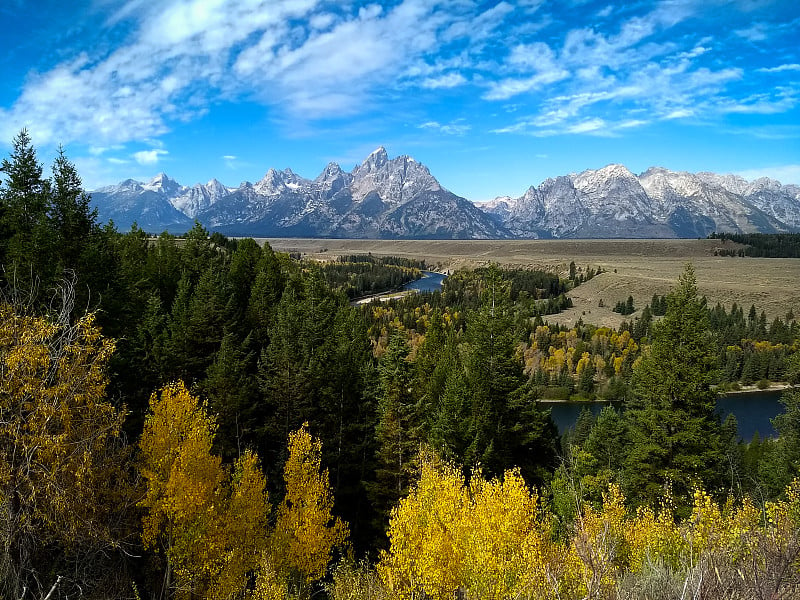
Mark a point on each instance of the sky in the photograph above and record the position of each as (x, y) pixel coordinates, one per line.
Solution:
(492, 96)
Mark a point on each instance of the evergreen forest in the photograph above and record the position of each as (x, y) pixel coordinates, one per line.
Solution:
(202, 417)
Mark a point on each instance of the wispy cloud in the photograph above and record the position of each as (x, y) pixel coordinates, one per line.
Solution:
(757, 32)
(780, 68)
(450, 80)
(184, 54)
(457, 127)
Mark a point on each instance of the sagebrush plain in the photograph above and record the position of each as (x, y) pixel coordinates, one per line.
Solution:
(639, 268)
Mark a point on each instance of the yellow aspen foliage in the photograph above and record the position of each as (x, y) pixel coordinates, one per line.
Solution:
(245, 526)
(707, 525)
(583, 362)
(211, 527)
(269, 585)
(654, 536)
(62, 460)
(505, 541)
(306, 533)
(424, 552)
(489, 538)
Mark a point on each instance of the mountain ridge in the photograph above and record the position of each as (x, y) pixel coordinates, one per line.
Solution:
(398, 197)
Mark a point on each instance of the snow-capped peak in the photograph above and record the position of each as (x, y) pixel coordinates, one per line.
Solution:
(162, 183)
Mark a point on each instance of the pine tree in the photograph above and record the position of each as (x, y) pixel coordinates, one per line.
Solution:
(493, 372)
(449, 421)
(398, 428)
(74, 222)
(25, 198)
(674, 433)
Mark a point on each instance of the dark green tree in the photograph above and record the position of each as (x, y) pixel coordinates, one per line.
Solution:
(675, 436)
(74, 221)
(786, 464)
(26, 244)
(230, 387)
(448, 432)
(493, 372)
(398, 427)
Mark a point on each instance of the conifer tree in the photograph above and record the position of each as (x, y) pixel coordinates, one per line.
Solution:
(449, 428)
(397, 431)
(493, 372)
(674, 433)
(74, 221)
(25, 200)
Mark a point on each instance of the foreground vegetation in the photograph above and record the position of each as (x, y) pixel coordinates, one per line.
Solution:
(206, 418)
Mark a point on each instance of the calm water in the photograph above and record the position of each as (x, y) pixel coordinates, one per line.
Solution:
(752, 411)
(430, 282)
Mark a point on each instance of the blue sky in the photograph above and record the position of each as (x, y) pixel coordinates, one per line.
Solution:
(492, 96)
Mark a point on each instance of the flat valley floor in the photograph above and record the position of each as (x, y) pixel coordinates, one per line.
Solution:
(639, 268)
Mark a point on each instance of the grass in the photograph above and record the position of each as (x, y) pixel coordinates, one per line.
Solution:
(639, 268)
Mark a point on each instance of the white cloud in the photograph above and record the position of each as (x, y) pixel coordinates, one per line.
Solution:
(149, 157)
(780, 68)
(694, 52)
(630, 123)
(604, 12)
(588, 126)
(457, 127)
(321, 21)
(786, 174)
(229, 157)
(507, 88)
(679, 113)
(758, 32)
(450, 80)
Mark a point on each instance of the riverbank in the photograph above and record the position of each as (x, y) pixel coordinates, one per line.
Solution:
(383, 297)
(744, 390)
(773, 388)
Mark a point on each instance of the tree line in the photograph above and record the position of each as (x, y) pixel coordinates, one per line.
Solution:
(761, 245)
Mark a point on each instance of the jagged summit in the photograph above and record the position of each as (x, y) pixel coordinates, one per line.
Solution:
(399, 197)
(377, 158)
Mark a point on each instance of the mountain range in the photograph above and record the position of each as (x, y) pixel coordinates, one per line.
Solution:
(399, 198)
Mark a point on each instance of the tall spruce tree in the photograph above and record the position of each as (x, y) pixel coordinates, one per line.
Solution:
(25, 228)
(675, 436)
(493, 372)
(397, 430)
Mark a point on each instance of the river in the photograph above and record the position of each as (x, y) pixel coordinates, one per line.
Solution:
(753, 412)
(429, 282)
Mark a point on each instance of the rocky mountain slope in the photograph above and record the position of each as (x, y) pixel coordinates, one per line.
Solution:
(613, 202)
(380, 198)
(399, 198)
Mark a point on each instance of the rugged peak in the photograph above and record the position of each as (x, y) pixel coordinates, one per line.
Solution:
(377, 159)
(162, 183)
(616, 170)
(331, 171)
